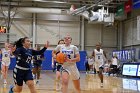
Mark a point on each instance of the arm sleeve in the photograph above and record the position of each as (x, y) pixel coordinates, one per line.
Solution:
(76, 50)
(34, 52)
(57, 48)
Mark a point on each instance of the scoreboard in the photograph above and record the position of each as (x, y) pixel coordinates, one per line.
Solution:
(131, 69)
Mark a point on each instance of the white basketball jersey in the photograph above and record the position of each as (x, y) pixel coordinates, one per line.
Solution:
(114, 61)
(70, 51)
(5, 55)
(99, 56)
(90, 61)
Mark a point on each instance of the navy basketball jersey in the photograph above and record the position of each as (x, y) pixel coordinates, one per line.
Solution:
(24, 56)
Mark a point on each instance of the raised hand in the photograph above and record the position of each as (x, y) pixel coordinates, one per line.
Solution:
(47, 44)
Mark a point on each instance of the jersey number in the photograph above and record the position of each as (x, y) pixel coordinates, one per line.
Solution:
(6, 55)
(29, 59)
(69, 56)
(38, 57)
(98, 57)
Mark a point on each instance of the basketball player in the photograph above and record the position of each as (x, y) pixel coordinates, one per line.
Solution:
(6, 54)
(91, 63)
(99, 56)
(87, 65)
(22, 71)
(114, 65)
(37, 62)
(69, 68)
(58, 67)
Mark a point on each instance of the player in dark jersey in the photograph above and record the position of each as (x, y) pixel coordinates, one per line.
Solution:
(58, 67)
(37, 62)
(22, 71)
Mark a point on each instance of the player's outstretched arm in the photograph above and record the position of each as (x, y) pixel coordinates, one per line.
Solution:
(34, 52)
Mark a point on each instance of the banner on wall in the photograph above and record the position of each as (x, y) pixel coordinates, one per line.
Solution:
(128, 6)
(125, 55)
(136, 4)
(120, 10)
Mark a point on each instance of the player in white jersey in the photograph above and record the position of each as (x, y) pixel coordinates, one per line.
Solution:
(99, 56)
(69, 67)
(6, 54)
(91, 63)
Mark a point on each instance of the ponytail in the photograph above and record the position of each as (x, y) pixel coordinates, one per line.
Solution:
(19, 43)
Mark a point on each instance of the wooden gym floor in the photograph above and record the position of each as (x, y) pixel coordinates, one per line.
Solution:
(89, 84)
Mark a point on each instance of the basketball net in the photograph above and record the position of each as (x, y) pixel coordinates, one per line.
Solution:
(8, 13)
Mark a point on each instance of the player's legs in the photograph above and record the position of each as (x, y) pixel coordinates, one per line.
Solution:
(31, 86)
(96, 66)
(58, 75)
(34, 72)
(16, 89)
(101, 74)
(58, 84)
(87, 67)
(4, 72)
(91, 67)
(65, 81)
(77, 85)
(18, 76)
(75, 75)
(29, 81)
(38, 72)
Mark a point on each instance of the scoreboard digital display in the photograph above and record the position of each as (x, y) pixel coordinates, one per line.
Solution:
(3, 29)
(130, 69)
(138, 73)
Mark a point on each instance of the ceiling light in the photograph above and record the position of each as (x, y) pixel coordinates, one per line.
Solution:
(50, 1)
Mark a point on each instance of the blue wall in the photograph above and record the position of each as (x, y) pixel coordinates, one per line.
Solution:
(46, 65)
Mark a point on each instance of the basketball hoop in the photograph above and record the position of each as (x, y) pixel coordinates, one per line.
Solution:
(8, 13)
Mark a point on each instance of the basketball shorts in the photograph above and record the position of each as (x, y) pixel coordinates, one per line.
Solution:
(5, 63)
(58, 67)
(22, 75)
(98, 66)
(72, 71)
(36, 65)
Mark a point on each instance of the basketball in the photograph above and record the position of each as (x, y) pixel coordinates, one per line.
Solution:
(61, 58)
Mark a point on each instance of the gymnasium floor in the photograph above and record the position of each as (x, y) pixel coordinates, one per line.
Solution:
(89, 84)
